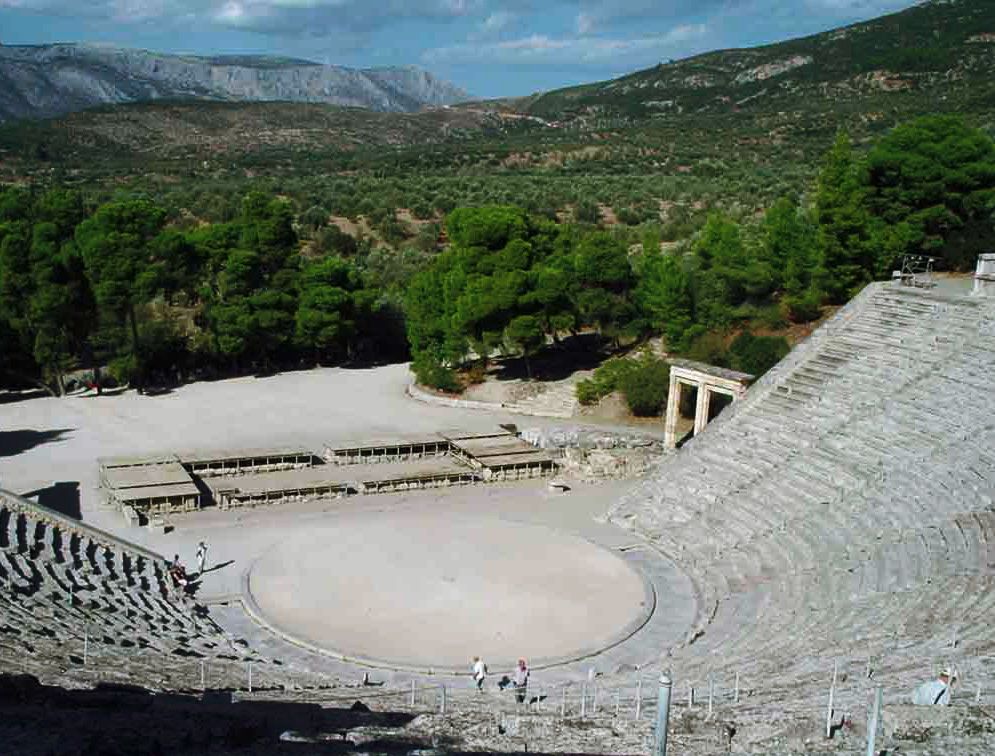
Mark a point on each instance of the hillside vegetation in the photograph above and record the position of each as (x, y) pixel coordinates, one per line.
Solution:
(169, 240)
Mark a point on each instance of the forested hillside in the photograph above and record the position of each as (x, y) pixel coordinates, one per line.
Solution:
(942, 48)
(171, 241)
(137, 287)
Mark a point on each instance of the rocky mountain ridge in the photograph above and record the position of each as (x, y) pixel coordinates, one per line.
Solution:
(50, 80)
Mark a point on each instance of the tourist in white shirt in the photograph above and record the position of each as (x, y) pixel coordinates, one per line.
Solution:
(479, 672)
(935, 692)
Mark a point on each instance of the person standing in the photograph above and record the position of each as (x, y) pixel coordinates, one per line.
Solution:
(521, 680)
(479, 672)
(201, 557)
(935, 692)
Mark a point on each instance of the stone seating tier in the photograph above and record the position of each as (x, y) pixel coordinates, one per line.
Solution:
(846, 502)
(66, 587)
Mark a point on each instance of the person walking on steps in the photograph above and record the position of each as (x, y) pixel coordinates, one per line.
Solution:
(201, 557)
(479, 672)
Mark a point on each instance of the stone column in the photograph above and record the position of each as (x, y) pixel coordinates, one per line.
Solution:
(701, 408)
(673, 410)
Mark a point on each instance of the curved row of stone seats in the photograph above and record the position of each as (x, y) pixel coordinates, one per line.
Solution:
(70, 594)
(844, 507)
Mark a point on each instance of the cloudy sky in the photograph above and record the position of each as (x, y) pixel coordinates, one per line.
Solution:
(489, 47)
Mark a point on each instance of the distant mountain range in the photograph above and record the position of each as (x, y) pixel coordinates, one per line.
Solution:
(50, 80)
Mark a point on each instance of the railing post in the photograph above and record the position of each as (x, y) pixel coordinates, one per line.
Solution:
(618, 702)
(639, 698)
(563, 703)
(250, 677)
(711, 694)
(86, 643)
(662, 715)
(735, 695)
(583, 700)
(872, 727)
(832, 701)
(412, 693)
(442, 699)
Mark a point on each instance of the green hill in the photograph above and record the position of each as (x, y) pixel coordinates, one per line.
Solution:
(939, 50)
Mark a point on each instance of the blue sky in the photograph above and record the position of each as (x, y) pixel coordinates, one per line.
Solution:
(491, 48)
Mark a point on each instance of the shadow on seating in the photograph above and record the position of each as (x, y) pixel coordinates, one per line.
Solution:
(119, 719)
(18, 441)
(63, 497)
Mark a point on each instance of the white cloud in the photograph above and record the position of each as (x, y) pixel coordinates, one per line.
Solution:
(585, 23)
(310, 17)
(542, 49)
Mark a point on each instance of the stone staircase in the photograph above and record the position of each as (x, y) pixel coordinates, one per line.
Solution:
(557, 399)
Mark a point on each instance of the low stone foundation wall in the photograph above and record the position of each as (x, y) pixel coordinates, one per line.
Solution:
(593, 454)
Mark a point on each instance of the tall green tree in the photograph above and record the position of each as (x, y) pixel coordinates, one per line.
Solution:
(789, 245)
(326, 312)
(845, 230)
(664, 296)
(931, 189)
(115, 246)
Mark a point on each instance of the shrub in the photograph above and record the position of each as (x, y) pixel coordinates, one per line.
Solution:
(606, 379)
(710, 348)
(430, 373)
(587, 212)
(802, 308)
(645, 386)
(757, 354)
(587, 392)
(475, 374)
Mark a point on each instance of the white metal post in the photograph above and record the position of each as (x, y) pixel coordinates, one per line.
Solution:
(639, 697)
(832, 697)
(412, 692)
(250, 677)
(735, 695)
(662, 715)
(583, 700)
(442, 700)
(872, 726)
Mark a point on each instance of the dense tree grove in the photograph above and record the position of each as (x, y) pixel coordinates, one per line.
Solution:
(118, 286)
(156, 296)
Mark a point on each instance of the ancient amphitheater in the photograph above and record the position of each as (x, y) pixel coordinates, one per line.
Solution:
(831, 534)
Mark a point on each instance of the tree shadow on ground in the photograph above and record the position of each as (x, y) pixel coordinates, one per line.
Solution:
(9, 397)
(63, 497)
(556, 362)
(16, 442)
